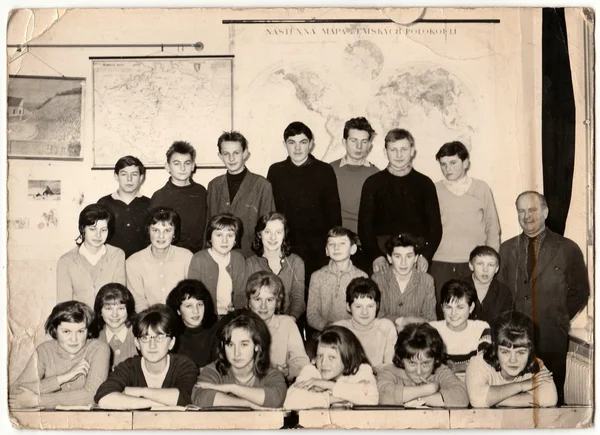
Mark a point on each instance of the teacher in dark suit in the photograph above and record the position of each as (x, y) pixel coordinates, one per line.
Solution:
(547, 276)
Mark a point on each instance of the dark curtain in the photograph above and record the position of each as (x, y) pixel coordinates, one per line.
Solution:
(558, 118)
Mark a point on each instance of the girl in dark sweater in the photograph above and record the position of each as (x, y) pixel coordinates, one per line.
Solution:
(197, 321)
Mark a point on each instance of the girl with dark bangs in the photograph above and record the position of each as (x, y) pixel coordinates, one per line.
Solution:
(418, 376)
(341, 374)
(196, 332)
(115, 312)
(241, 375)
(508, 372)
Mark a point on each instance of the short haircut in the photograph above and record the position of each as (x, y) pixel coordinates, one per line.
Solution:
(419, 338)
(258, 331)
(127, 161)
(164, 215)
(541, 197)
(225, 221)
(455, 289)
(261, 279)
(257, 244)
(512, 329)
(181, 147)
(450, 149)
(90, 215)
(232, 136)
(111, 294)
(403, 240)
(296, 128)
(484, 251)
(346, 343)
(159, 317)
(399, 134)
(360, 288)
(343, 232)
(69, 312)
(359, 123)
(192, 289)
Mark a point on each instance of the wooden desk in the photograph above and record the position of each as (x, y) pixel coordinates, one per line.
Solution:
(208, 420)
(526, 418)
(113, 420)
(375, 419)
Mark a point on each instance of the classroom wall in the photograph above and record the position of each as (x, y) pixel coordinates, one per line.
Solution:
(507, 155)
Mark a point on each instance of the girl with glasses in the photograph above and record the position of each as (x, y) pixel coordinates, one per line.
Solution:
(156, 378)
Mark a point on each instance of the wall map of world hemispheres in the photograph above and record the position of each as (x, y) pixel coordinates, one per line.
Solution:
(361, 80)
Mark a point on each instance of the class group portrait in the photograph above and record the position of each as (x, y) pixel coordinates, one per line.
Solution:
(295, 279)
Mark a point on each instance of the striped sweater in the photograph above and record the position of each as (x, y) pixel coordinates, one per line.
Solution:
(461, 346)
(417, 300)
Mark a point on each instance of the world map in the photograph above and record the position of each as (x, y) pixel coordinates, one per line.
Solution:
(142, 106)
(428, 99)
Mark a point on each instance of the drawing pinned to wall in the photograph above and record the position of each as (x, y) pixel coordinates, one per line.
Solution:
(44, 190)
(79, 198)
(49, 219)
(20, 223)
(44, 117)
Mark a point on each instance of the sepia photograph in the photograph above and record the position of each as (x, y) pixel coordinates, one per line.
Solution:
(284, 218)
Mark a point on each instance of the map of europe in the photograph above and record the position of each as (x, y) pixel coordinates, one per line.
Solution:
(142, 106)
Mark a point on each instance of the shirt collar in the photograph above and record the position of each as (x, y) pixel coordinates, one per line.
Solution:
(364, 162)
(92, 258)
(115, 195)
(121, 335)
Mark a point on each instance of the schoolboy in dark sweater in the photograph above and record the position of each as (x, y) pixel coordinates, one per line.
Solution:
(399, 200)
(128, 206)
(305, 191)
(183, 195)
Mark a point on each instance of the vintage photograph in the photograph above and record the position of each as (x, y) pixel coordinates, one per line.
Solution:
(44, 190)
(321, 218)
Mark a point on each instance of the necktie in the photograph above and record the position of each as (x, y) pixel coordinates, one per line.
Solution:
(531, 258)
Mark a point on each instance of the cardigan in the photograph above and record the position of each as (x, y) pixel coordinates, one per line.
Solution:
(468, 221)
(378, 339)
(182, 375)
(481, 376)
(50, 360)
(190, 204)
(130, 222)
(150, 280)
(497, 300)
(417, 300)
(292, 276)
(287, 346)
(391, 381)
(121, 352)
(273, 383)
(327, 294)
(358, 389)
(205, 269)
(73, 281)
(253, 200)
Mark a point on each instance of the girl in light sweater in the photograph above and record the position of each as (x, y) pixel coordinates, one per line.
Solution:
(341, 374)
(66, 370)
(115, 313)
(264, 292)
(508, 372)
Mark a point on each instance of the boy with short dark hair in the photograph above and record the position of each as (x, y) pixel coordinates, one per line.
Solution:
(305, 191)
(128, 206)
(184, 195)
(327, 289)
(377, 336)
(239, 191)
(157, 377)
(494, 296)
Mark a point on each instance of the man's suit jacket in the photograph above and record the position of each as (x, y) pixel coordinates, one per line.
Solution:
(556, 292)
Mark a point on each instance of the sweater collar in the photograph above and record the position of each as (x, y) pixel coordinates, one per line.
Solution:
(308, 161)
